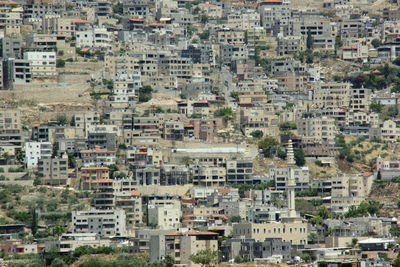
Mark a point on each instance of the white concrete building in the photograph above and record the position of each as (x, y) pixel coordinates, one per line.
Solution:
(35, 151)
(95, 38)
(43, 64)
(165, 214)
(101, 222)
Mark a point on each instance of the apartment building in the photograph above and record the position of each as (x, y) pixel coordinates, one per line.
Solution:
(53, 171)
(131, 203)
(280, 176)
(181, 245)
(98, 38)
(10, 127)
(289, 45)
(317, 129)
(205, 129)
(321, 32)
(12, 47)
(70, 241)
(239, 171)
(97, 157)
(257, 36)
(253, 119)
(209, 175)
(146, 175)
(230, 36)
(36, 11)
(251, 249)
(138, 8)
(121, 195)
(252, 96)
(125, 91)
(102, 140)
(347, 190)
(295, 233)
(354, 28)
(174, 175)
(244, 19)
(355, 51)
(286, 65)
(92, 176)
(164, 214)
(229, 53)
(332, 95)
(43, 64)
(34, 151)
(275, 13)
(17, 72)
(387, 131)
(212, 11)
(55, 24)
(85, 119)
(105, 223)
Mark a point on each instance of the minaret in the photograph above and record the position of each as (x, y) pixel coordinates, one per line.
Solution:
(291, 183)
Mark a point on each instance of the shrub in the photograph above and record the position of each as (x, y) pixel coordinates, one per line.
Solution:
(318, 163)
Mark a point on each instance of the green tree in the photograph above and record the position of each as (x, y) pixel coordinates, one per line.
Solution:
(225, 112)
(205, 257)
(305, 257)
(145, 93)
(392, 112)
(354, 242)
(118, 8)
(58, 262)
(204, 35)
(60, 63)
(375, 106)
(235, 219)
(285, 126)
(375, 43)
(299, 157)
(268, 146)
(281, 153)
(112, 169)
(203, 19)
(71, 160)
(62, 119)
(257, 134)
(169, 261)
(235, 96)
(324, 213)
(395, 230)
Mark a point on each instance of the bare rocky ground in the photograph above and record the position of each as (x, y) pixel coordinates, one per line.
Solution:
(41, 101)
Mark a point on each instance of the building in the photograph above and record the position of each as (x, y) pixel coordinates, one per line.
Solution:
(289, 45)
(105, 223)
(347, 190)
(91, 177)
(53, 171)
(10, 128)
(181, 245)
(294, 233)
(97, 157)
(34, 151)
(98, 38)
(164, 214)
(321, 130)
(275, 15)
(209, 175)
(70, 241)
(250, 249)
(43, 64)
(239, 171)
(280, 176)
